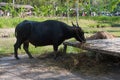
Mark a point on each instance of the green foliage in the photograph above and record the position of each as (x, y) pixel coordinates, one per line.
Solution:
(113, 4)
(46, 10)
(36, 11)
(48, 7)
(9, 22)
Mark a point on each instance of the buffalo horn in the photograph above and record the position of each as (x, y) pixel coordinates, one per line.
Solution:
(73, 24)
(77, 23)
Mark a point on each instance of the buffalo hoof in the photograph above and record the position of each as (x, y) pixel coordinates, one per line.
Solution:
(17, 58)
(31, 57)
(55, 58)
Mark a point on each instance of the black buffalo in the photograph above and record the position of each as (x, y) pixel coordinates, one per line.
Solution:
(49, 32)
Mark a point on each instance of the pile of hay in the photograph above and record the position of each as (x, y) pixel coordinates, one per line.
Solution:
(101, 35)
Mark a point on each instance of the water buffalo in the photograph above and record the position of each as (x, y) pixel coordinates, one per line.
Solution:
(49, 32)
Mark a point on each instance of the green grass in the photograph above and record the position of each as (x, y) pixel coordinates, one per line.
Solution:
(6, 48)
(8, 22)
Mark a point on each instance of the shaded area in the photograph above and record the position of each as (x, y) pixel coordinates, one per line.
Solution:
(84, 62)
(32, 69)
(65, 67)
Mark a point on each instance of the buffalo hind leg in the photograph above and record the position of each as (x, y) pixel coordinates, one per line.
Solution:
(25, 47)
(16, 46)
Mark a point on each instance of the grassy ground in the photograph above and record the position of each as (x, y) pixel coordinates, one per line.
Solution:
(88, 24)
(7, 48)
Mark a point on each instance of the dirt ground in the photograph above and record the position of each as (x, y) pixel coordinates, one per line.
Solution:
(5, 33)
(32, 69)
(45, 69)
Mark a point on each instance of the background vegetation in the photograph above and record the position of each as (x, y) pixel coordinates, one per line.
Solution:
(66, 7)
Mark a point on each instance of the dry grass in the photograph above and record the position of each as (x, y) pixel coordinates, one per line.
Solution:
(81, 62)
(6, 46)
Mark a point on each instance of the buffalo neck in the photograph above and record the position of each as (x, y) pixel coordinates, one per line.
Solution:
(70, 33)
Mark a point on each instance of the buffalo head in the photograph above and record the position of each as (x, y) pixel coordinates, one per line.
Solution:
(79, 33)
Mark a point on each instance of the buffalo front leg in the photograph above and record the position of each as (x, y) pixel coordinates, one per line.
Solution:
(55, 50)
(25, 46)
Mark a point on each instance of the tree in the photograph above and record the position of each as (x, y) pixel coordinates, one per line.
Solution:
(59, 7)
(113, 5)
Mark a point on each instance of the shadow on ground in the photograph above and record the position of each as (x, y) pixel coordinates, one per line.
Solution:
(83, 63)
